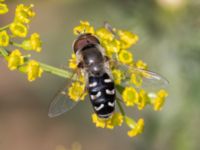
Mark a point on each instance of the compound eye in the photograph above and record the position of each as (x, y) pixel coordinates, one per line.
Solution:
(79, 44)
(93, 39)
(84, 40)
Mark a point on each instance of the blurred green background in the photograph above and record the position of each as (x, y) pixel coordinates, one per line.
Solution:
(169, 32)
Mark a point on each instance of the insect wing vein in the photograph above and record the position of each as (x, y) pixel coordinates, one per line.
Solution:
(60, 104)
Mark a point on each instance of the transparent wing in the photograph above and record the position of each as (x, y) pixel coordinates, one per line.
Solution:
(61, 103)
(151, 81)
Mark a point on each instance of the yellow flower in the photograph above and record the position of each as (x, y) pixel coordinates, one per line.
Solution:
(33, 70)
(4, 39)
(77, 91)
(142, 101)
(130, 96)
(15, 59)
(18, 29)
(125, 57)
(24, 13)
(141, 65)
(84, 27)
(115, 120)
(3, 8)
(127, 38)
(72, 62)
(34, 43)
(160, 100)
(137, 128)
(101, 123)
(136, 79)
(111, 46)
(117, 76)
(104, 34)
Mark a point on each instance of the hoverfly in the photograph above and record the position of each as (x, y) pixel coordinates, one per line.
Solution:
(91, 60)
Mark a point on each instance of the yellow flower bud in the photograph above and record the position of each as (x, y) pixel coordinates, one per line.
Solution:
(111, 46)
(127, 38)
(136, 79)
(18, 29)
(136, 128)
(34, 43)
(72, 62)
(115, 120)
(84, 27)
(142, 100)
(24, 13)
(3, 9)
(159, 100)
(117, 75)
(15, 59)
(4, 39)
(33, 70)
(141, 65)
(104, 34)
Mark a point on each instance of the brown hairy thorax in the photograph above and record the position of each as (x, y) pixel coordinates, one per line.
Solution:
(84, 40)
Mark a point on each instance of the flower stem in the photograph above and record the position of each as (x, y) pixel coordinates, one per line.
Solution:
(56, 71)
(120, 107)
(3, 52)
(5, 27)
(46, 68)
(16, 44)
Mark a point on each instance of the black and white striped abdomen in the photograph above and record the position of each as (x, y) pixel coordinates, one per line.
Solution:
(102, 95)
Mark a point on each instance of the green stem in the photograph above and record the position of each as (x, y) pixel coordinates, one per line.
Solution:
(56, 71)
(5, 27)
(3, 52)
(120, 107)
(46, 68)
(16, 44)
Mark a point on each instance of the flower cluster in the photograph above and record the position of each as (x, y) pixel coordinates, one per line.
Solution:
(128, 75)
(18, 31)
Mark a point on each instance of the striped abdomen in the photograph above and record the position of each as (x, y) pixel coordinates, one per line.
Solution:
(102, 95)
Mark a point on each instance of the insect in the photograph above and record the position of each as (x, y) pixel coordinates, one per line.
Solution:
(94, 64)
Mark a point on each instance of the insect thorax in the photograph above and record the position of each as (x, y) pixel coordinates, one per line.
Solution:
(92, 59)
